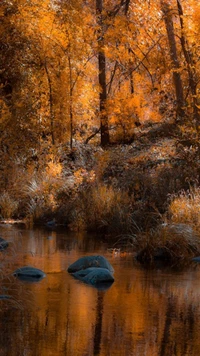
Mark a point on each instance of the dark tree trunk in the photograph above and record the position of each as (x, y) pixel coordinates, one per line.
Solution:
(130, 64)
(51, 112)
(105, 137)
(70, 102)
(174, 58)
(126, 8)
(193, 79)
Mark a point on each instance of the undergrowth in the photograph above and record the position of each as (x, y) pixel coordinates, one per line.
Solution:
(185, 208)
(120, 190)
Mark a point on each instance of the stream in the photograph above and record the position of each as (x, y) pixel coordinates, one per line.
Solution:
(146, 312)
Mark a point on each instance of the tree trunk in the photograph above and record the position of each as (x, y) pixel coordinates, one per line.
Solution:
(126, 8)
(174, 58)
(193, 79)
(70, 102)
(51, 113)
(105, 137)
(130, 64)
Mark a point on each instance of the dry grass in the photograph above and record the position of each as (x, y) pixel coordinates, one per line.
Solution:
(8, 205)
(185, 208)
(106, 208)
(42, 191)
(170, 243)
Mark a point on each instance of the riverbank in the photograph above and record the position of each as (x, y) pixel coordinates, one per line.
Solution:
(125, 189)
(133, 187)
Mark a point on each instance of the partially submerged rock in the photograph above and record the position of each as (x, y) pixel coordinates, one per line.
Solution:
(51, 224)
(94, 275)
(90, 261)
(3, 244)
(196, 259)
(29, 273)
(4, 297)
(93, 270)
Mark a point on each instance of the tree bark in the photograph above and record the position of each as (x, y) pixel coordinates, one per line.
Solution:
(193, 78)
(51, 112)
(105, 137)
(70, 102)
(126, 7)
(174, 58)
(130, 64)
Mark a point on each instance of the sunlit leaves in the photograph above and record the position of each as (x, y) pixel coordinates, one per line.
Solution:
(49, 55)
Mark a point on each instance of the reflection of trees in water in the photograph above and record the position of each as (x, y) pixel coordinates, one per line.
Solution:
(66, 342)
(170, 311)
(78, 241)
(180, 330)
(8, 329)
(144, 312)
(15, 323)
(98, 324)
(24, 329)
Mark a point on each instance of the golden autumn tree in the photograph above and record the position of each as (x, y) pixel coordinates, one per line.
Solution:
(59, 54)
(183, 46)
(64, 74)
(190, 49)
(105, 138)
(132, 48)
(80, 64)
(168, 19)
(19, 105)
(48, 64)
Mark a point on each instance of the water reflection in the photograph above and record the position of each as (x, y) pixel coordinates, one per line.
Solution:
(145, 312)
(98, 323)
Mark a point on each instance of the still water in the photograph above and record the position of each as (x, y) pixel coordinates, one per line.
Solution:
(144, 312)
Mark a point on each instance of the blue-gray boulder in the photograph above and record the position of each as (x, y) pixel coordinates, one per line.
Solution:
(3, 244)
(100, 278)
(4, 297)
(196, 259)
(90, 261)
(94, 275)
(28, 273)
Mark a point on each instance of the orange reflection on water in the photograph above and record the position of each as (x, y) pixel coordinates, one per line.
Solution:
(144, 312)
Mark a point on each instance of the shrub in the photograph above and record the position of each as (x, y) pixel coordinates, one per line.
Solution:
(42, 191)
(8, 205)
(170, 243)
(106, 209)
(185, 208)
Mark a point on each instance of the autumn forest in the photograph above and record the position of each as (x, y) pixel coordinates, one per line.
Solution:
(99, 113)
